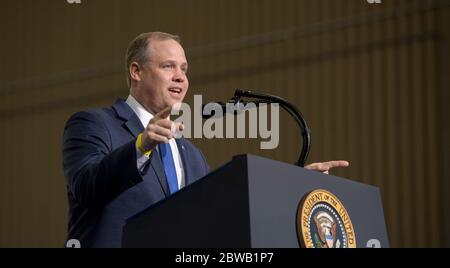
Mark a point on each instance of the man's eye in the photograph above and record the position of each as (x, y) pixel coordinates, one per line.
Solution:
(168, 66)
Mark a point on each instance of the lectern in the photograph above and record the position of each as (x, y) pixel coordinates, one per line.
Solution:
(255, 202)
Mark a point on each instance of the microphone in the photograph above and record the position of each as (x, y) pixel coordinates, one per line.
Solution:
(260, 98)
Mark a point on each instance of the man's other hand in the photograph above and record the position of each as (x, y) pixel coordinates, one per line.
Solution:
(326, 166)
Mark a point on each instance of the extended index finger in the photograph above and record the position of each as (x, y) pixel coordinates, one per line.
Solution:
(164, 113)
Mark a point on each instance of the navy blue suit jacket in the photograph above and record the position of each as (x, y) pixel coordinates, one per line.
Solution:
(104, 186)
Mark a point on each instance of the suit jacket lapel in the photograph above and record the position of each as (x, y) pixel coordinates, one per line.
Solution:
(132, 122)
(184, 154)
(133, 125)
(157, 165)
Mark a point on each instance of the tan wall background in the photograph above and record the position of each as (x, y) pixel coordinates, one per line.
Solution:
(371, 79)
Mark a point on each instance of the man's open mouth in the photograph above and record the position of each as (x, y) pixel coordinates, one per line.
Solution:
(175, 90)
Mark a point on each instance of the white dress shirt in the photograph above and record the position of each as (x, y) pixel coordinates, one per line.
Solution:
(145, 117)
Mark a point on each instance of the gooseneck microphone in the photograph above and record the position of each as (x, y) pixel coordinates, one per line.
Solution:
(260, 98)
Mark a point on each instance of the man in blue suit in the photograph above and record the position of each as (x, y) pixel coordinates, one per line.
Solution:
(120, 160)
(111, 156)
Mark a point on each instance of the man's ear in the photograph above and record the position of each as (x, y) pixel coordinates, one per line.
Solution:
(135, 71)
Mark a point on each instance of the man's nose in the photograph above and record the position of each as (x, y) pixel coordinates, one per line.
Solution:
(179, 76)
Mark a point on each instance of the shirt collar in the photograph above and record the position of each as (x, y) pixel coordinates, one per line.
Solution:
(143, 115)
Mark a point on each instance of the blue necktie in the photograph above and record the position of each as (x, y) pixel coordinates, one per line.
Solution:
(169, 166)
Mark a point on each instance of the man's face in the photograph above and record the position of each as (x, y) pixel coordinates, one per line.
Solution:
(163, 76)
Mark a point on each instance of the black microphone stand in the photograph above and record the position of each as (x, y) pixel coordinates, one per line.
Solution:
(290, 108)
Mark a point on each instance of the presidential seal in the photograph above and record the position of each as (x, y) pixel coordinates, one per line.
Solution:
(323, 222)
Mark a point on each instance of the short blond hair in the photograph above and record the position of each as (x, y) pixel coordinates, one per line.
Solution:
(137, 49)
